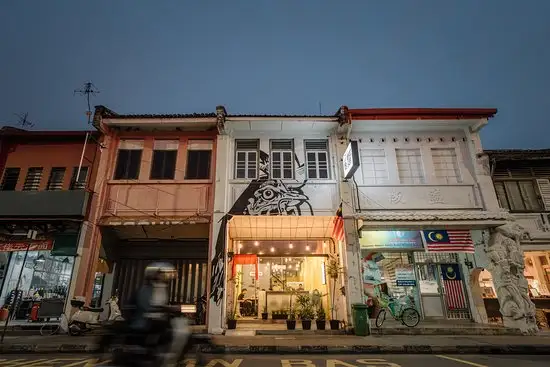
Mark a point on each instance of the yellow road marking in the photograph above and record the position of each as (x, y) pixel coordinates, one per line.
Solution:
(461, 361)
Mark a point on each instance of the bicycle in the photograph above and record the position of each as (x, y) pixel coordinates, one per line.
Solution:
(401, 310)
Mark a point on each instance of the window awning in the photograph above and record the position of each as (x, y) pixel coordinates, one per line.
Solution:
(247, 227)
(245, 260)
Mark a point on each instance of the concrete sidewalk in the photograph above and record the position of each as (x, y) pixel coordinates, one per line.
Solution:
(336, 344)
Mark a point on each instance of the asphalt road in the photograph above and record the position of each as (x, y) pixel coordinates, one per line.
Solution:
(371, 360)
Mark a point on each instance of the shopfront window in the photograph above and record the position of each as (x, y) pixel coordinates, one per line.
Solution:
(285, 269)
(537, 272)
(42, 277)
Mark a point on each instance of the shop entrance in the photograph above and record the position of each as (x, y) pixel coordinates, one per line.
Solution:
(285, 270)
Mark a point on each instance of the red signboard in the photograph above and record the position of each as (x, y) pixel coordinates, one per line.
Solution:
(22, 246)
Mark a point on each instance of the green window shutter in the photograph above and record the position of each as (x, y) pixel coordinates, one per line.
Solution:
(65, 245)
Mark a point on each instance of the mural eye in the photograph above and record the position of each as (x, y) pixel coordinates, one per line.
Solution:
(268, 194)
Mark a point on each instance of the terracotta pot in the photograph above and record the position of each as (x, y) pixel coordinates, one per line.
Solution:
(4, 314)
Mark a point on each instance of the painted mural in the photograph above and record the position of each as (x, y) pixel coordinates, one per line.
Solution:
(263, 196)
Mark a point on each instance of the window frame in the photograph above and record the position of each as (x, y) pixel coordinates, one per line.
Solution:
(126, 173)
(60, 185)
(247, 168)
(507, 195)
(281, 152)
(163, 170)
(77, 185)
(421, 178)
(5, 175)
(37, 183)
(444, 180)
(374, 164)
(208, 148)
(316, 161)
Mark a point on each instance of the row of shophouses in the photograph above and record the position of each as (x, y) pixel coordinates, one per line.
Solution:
(405, 201)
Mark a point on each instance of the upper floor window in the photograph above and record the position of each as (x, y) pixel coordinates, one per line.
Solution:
(282, 159)
(409, 165)
(32, 181)
(518, 195)
(78, 179)
(57, 176)
(446, 165)
(246, 158)
(11, 176)
(165, 153)
(199, 157)
(374, 166)
(317, 159)
(128, 160)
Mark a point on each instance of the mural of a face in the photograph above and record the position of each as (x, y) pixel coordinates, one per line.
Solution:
(273, 197)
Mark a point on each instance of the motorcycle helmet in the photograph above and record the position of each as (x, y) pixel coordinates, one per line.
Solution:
(160, 271)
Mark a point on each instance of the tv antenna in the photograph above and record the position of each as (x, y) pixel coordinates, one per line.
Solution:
(89, 90)
(24, 120)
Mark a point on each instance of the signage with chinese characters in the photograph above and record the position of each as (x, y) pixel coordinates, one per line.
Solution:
(24, 245)
(350, 160)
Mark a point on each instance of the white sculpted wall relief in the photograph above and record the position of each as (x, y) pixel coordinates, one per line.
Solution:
(506, 264)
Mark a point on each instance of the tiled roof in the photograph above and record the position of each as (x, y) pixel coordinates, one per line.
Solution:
(282, 116)
(105, 112)
(504, 154)
(448, 215)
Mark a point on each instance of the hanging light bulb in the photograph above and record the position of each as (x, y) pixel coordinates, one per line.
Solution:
(290, 245)
(260, 253)
(324, 244)
(272, 249)
(307, 248)
(256, 243)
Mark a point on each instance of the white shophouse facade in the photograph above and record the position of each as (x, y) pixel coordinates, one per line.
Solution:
(420, 173)
(276, 194)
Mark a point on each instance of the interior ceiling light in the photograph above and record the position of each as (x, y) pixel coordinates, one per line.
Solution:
(290, 245)
(307, 248)
(324, 244)
(260, 253)
(256, 243)
(272, 249)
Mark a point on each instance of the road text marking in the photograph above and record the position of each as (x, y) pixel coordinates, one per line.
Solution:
(461, 361)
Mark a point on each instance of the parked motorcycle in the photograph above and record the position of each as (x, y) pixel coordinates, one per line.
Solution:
(85, 319)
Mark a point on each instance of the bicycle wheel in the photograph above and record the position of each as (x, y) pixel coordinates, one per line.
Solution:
(410, 317)
(49, 329)
(380, 318)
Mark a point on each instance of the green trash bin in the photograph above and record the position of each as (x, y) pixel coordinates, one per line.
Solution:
(361, 319)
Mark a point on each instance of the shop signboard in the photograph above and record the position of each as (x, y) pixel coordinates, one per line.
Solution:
(404, 276)
(24, 245)
(391, 240)
(350, 160)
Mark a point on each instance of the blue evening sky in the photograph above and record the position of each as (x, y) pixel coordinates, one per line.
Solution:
(279, 56)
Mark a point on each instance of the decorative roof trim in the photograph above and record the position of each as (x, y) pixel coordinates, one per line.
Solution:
(421, 113)
(412, 216)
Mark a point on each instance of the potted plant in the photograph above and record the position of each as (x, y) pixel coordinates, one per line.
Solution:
(333, 270)
(321, 319)
(307, 312)
(231, 320)
(264, 314)
(279, 315)
(291, 321)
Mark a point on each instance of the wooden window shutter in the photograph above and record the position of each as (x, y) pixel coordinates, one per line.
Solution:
(544, 191)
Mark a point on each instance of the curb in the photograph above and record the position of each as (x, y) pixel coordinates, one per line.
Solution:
(517, 349)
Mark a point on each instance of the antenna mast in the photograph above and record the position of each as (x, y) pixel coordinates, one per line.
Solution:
(89, 90)
(24, 120)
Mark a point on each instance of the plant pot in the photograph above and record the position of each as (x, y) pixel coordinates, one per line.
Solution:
(291, 324)
(4, 314)
(306, 324)
(334, 324)
(264, 315)
(320, 324)
(279, 317)
(231, 324)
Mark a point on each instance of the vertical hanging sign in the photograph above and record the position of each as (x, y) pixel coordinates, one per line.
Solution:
(350, 160)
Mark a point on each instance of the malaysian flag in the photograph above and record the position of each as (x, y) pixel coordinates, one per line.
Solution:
(448, 241)
(454, 291)
(338, 232)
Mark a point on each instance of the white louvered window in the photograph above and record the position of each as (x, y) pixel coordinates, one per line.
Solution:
(246, 158)
(32, 181)
(374, 166)
(282, 159)
(409, 165)
(317, 159)
(544, 191)
(446, 165)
